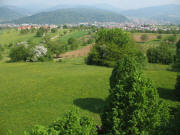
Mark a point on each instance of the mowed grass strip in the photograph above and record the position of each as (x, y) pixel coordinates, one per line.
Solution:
(39, 93)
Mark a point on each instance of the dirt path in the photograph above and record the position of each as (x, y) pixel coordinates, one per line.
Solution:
(81, 52)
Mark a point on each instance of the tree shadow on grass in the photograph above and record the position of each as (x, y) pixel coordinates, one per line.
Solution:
(91, 104)
(167, 94)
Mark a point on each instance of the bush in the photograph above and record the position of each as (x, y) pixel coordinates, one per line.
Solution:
(111, 45)
(1, 56)
(144, 37)
(177, 87)
(71, 124)
(162, 54)
(159, 37)
(178, 54)
(19, 53)
(1, 50)
(171, 39)
(24, 52)
(73, 43)
(133, 106)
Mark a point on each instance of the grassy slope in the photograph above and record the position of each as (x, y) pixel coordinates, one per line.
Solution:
(76, 35)
(38, 93)
(10, 36)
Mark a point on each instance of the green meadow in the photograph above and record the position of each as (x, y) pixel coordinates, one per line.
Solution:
(37, 93)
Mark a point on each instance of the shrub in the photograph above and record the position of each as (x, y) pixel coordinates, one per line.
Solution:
(177, 87)
(159, 37)
(171, 39)
(71, 124)
(24, 52)
(133, 106)
(73, 43)
(54, 30)
(1, 56)
(178, 54)
(162, 54)
(111, 45)
(144, 37)
(19, 53)
(1, 50)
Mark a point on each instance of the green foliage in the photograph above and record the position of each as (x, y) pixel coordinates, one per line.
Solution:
(133, 106)
(162, 54)
(19, 53)
(111, 45)
(71, 124)
(54, 30)
(144, 37)
(73, 43)
(24, 31)
(159, 37)
(177, 88)
(178, 54)
(40, 32)
(1, 51)
(57, 47)
(171, 39)
(75, 15)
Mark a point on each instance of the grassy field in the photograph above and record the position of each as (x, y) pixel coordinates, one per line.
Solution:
(38, 93)
(76, 35)
(11, 36)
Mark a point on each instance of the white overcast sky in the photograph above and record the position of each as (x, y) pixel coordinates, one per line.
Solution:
(123, 4)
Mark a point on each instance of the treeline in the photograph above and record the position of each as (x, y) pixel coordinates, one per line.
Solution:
(159, 31)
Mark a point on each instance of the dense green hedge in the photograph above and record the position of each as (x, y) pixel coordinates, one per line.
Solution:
(162, 54)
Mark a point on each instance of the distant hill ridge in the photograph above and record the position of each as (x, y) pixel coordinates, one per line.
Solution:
(8, 13)
(161, 14)
(72, 15)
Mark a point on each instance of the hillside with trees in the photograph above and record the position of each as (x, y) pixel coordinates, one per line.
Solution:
(74, 15)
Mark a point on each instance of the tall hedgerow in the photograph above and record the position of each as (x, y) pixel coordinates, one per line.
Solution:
(133, 106)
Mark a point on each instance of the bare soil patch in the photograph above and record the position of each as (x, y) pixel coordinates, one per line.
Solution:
(77, 53)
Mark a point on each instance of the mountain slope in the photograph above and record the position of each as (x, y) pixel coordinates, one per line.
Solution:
(10, 13)
(72, 15)
(161, 14)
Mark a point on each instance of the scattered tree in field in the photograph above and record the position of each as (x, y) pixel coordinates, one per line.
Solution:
(41, 32)
(1, 50)
(24, 52)
(111, 45)
(159, 37)
(144, 37)
(162, 54)
(171, 39)
(19, 53)
(73, 43)
(133, 106)
(54, 30)
(71, 124)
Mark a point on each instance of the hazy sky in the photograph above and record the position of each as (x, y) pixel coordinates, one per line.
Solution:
(123, 4)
